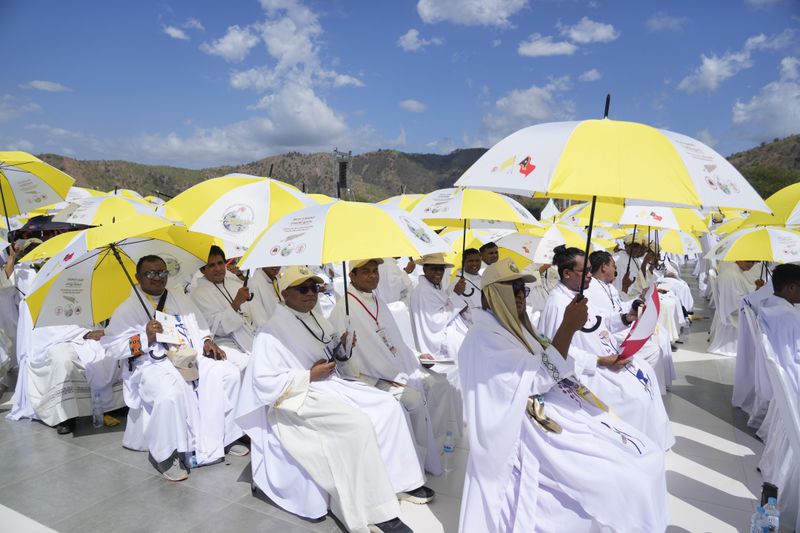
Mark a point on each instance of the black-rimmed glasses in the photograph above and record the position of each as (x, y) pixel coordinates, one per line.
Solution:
(153, 274)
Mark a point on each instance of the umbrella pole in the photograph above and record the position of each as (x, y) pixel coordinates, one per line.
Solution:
(463, 247)
(115, 251)
(587, 265)
(5, 210)
(633, 238)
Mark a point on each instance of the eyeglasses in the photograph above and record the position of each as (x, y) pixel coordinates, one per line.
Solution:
(303, 289)
(153, 274)
(520, 287)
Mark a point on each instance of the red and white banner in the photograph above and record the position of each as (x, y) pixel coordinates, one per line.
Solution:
(645, 326)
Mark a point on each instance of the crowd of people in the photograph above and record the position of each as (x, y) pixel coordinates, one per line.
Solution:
(342, 382)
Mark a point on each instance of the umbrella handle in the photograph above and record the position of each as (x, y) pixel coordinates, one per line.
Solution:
(599, 320)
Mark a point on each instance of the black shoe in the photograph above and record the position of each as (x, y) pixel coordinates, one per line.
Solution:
(66, 427)
(395, 525)
(419, 495)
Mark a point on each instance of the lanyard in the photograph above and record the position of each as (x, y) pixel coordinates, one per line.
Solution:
(377, 307)
(321, 337)
(610, 295)
(275, 286)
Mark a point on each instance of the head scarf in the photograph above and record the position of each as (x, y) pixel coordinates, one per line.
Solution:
(502, 302)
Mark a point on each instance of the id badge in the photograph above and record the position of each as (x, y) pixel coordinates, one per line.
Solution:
(385, 338)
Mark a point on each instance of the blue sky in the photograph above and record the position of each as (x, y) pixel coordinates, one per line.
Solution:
(201, 83)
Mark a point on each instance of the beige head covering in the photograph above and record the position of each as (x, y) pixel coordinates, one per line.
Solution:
(501, 300)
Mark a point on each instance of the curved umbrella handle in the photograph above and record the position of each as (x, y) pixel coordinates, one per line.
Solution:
(596, 325)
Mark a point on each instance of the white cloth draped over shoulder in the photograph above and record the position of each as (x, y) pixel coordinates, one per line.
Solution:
(521, 478)
(394, 284)
(732, 285)
(266, 291)
(633, 391)
(350, 442)
(167, 412)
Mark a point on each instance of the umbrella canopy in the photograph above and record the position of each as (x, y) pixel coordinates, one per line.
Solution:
(537, 245)
(26, 183)
(616, 211)
(236, 207)
(403, 201)
(611, 159)
(99, 210)
(758, 244)
(321, 198)
(550, 211)
(91, 274)
(342, 231)
(785, 205)
(451, 207)
(678, 242)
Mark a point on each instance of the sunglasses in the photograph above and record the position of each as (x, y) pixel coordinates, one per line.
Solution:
(153, 274)
(519, 287)
(304, 289)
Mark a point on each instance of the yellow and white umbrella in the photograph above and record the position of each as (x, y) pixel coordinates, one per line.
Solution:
(758, 244)
(785, 205)
(618, 212)
(678, 242)
(236, 207)
(90, 272)
(405, 202)
(342, 231)
(537, 245)
(27, 183)
(100, 210)
(451, 207)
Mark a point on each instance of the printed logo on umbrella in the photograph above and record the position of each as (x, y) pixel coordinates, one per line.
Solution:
(69, 256)
(238, 218)
(173, 265)
(416, 230)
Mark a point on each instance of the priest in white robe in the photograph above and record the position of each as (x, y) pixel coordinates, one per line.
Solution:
(438, 314)
(490, 253)
(232, 314)
(545, 453)
(605, 298)
(263, 284)
(383, 358)
(630, 387)
(350, 443)
(732, 285)
(472, 278)
(171, 415)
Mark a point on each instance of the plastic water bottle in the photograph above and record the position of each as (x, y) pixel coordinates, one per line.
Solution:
(97, 409)
(758, 521)
(449, 450)
(773, 514)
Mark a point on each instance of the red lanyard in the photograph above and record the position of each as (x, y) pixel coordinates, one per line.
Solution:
(377, 307)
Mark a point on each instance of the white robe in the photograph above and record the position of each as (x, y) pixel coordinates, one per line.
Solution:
(523, 479)
(732, 285)
(394, 284)
(167, 412)
(656, 351)
(633, 391)
(439, 326)
(349, 441)
(233, 331)
(64, 370)
(265, 290)
(382, 357)
(472, 290)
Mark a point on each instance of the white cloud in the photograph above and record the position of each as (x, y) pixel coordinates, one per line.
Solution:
(401, 139)
(496, 43)
(23, 145)
(539, 46)
(525, 107)
(233, 46)
(775, 110)
(48, 86)
(11, 107)
(706, 137)
(589, 31)
(258, 78)
(194, 24)
(410, 41)
(590, 75)
(713, 70)
(763, 4)
(415, 106)
(470, 12)
(661, 21)
(52, 131)
(175, 33)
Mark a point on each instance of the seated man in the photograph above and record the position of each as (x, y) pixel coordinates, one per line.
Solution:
(605, 298)
(264, 284)
(732, 285)
(383, 359)
(490, 253)
(629, 387)
(231, 313)
(472, 277)
(545, 454)
(174, 410)
(349, 443)
(438, 314)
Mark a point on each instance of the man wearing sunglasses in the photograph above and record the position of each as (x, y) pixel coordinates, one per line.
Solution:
(384, 359)
(438, 314)
(171, 416)
(324, 441)
(232, 314)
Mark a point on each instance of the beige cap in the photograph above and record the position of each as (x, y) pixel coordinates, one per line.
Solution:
(504, 270)
(434, 259)
(358, 263)
(295, 275)
(640, 239)
(184, 359)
